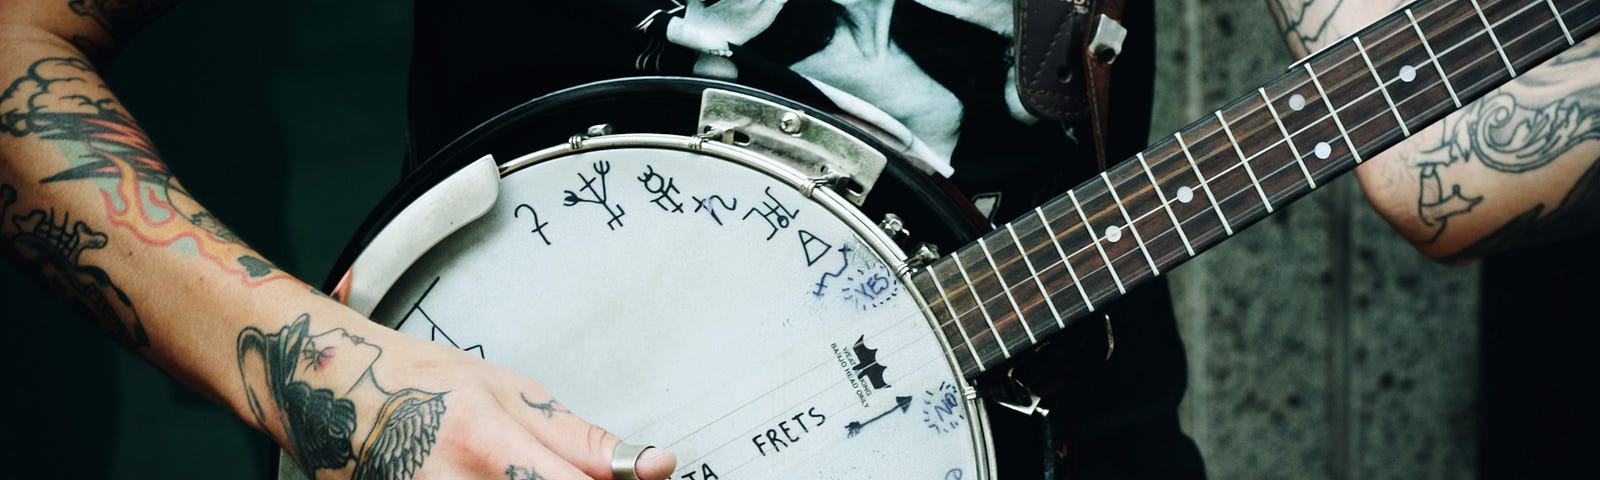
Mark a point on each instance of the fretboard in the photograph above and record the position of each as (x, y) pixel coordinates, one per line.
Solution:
(998, 297)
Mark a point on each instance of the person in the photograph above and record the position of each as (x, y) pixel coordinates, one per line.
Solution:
(73, 152)
(311, 383)
(92, 212)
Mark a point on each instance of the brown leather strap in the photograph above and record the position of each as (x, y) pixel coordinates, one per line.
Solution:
(1050, 55)
(1098, 71)
(1058, 78)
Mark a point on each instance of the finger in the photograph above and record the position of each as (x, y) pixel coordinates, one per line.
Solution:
(512, 453)
(586, 445)
(627, 460)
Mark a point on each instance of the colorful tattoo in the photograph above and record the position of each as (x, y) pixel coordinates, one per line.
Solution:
(59, 100)
(322, 395)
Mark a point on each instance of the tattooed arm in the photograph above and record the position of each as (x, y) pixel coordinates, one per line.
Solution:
(1515, 168)
(88, 207)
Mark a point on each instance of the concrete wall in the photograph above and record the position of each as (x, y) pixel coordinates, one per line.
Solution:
(1320, 344)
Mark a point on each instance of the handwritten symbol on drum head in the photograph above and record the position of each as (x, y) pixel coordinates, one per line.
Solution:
(776, 214)
(597, 196)
(435, 332)
(941, 408)
(663, 188)
(953, 474)
(705, 204)
(844, 263)
(538, 226)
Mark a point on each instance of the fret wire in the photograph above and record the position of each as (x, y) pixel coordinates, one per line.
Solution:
(953, 317)
(1203, 184)
(956, 259)
(1007, 289)
(1285, 131)
(1559, 21)
(1302, 130)
(1043, 292)
(1078, 282)
(1335, 112)
(1135, 230)
(1157, 187)
(1244, 161)
(1087, 227)
(1060, 251)
(1280, 169)
(1494, 38)
(1434, 58)
(1490, 81)
(1382, 87)
(1288, 137)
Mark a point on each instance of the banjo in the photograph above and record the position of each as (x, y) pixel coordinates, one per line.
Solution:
(710, 280)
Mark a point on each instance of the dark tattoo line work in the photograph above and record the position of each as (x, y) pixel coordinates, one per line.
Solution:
(514, 472)
(311, 385)
(1296, 24)
(1502, 134)
(52, 250)
(60, 100)
(550, 408)
(1578, 213)
(121, 18)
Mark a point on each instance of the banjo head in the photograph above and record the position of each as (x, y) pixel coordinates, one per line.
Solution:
(706, 297)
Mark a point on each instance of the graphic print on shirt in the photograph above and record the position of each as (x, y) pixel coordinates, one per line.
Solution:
(878, 60)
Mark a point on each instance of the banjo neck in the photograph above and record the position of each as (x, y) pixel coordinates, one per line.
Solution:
(998, 297)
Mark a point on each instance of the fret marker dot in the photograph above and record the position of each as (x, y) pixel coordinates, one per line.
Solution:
(1297, 102)
(1323, 150)
(1185, 194)
(1113, 233)
(1408, 73)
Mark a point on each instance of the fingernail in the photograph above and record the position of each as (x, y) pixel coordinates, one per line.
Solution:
(656, 463)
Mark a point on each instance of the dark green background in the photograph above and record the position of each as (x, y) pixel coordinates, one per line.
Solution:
(287, 120)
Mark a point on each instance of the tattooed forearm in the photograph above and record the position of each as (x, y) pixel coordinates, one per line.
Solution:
(52, 249)
(61, 100)
(514, 472)
(550, 408)
(1578, 213)
(329, 406)
(1305, 23)
(121, 18)
(1536, 129)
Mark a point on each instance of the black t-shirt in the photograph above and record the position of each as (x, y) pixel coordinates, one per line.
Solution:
(935, 74)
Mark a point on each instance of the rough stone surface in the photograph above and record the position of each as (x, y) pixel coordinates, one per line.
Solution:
(1413, 360)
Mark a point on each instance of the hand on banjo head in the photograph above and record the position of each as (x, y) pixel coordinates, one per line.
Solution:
(365, 402)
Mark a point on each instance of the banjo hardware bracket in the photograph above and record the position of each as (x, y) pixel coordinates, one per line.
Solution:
(1017, 396)
(894, 226)
(828, 155)
(576, 141)
(924, 254)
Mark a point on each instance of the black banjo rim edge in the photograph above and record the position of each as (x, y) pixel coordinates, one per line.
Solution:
(460, 152)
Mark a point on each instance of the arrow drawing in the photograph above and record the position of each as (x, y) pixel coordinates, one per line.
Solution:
(900, 403)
